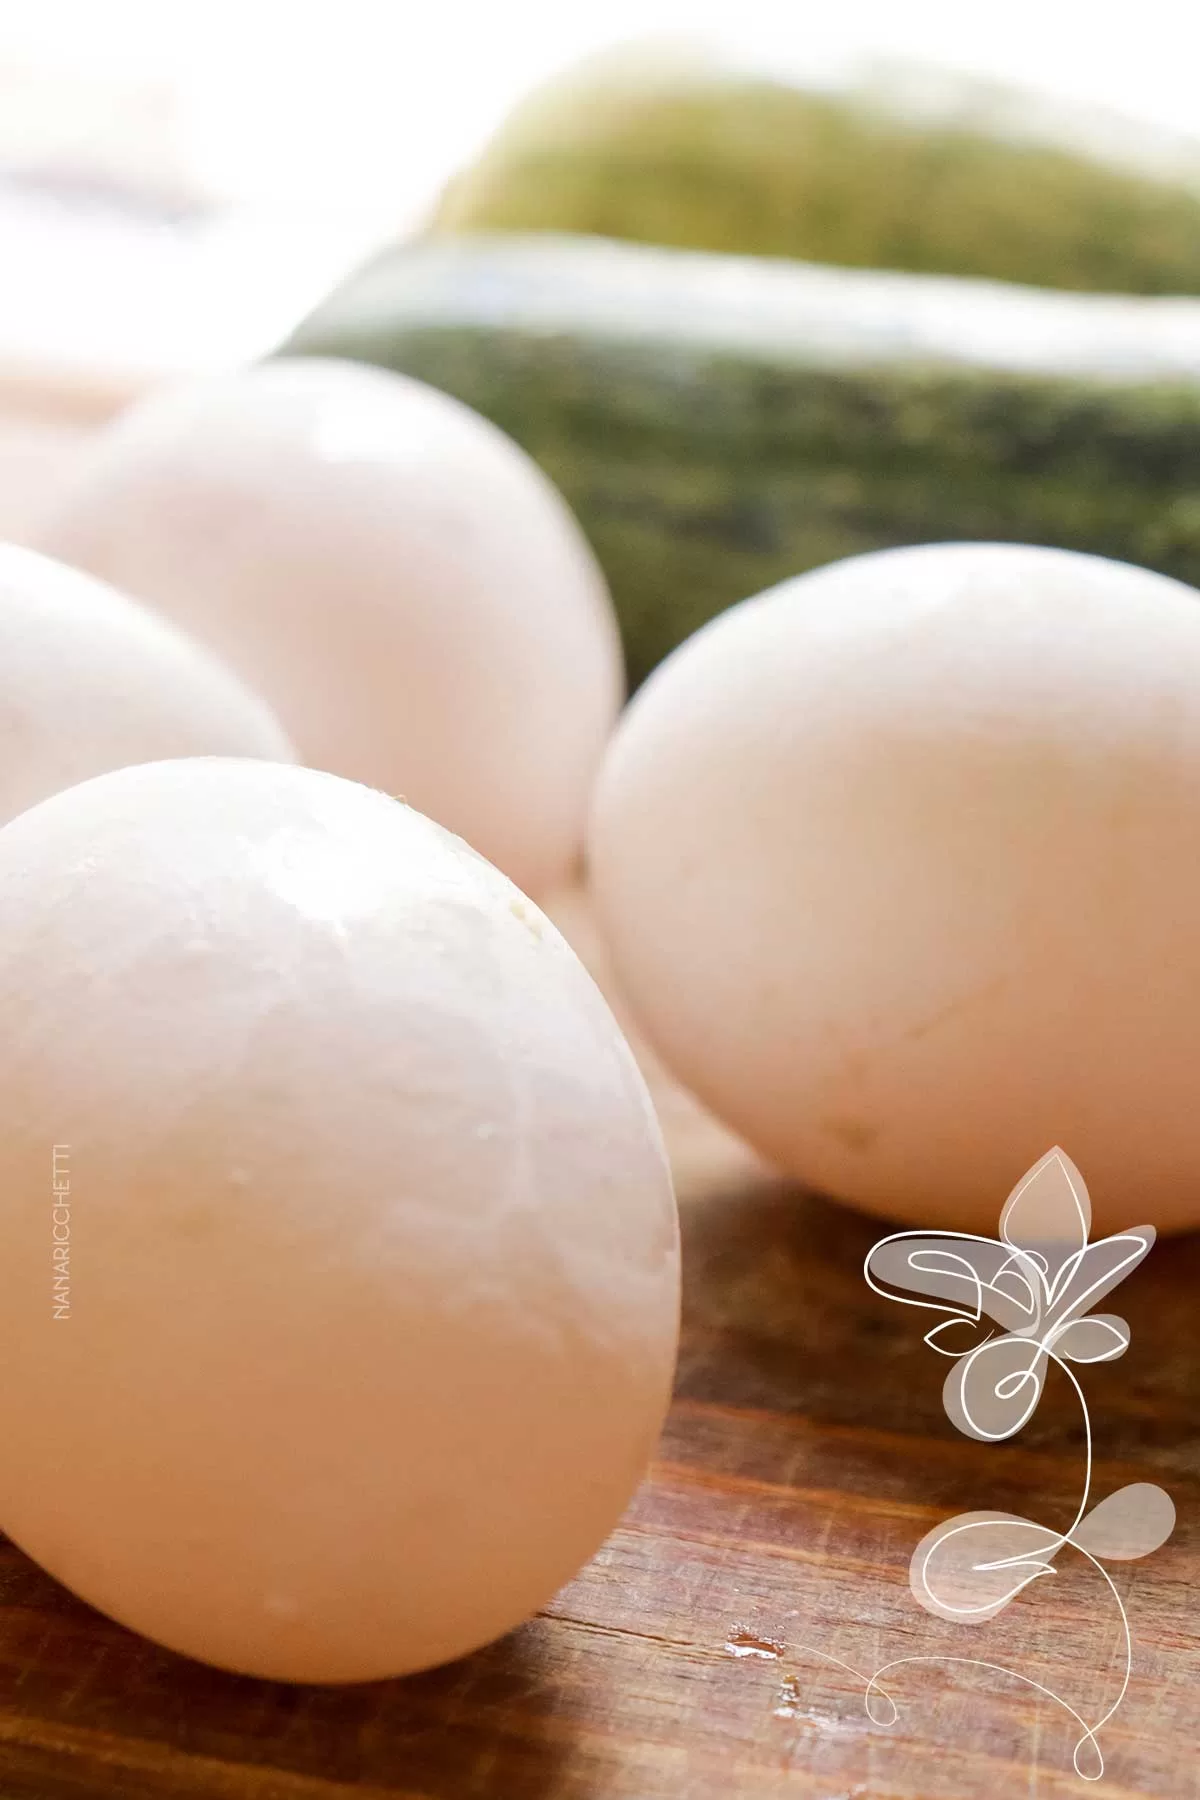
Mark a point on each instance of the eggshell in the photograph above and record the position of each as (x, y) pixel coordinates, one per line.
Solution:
(373, 1266)
(395, 575)
(91, 681)
(900, 867)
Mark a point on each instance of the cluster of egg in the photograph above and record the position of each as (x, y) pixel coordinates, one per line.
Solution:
(338, 1249)
(356, 1321)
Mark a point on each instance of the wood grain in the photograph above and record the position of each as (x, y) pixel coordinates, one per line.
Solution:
(805, 1455)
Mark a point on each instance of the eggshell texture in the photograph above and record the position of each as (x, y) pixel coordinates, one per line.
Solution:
(900, 866)
(373, 1255)
(91, 681)
(397, 577)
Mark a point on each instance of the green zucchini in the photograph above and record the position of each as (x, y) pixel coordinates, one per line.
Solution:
(709, 158)
(719, 423)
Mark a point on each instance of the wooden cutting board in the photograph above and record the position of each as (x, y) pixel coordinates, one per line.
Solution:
(805, 1455)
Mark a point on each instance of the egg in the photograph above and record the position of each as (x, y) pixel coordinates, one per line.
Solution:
(91, 681)
(339, 1263)
(396, 576)
(899, 863)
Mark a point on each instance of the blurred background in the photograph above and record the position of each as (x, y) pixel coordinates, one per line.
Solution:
(183, 181)
(180, 179)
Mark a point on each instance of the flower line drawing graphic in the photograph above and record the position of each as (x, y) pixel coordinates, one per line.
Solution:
(1038, 1281)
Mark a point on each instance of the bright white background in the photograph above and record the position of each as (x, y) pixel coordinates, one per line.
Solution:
(334, 122)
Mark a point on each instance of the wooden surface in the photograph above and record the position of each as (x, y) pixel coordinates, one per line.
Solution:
(805, 1455)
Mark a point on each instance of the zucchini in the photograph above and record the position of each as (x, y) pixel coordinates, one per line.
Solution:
(658, 151)
(719, 423)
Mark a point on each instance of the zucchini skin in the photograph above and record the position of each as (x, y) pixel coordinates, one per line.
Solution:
(713, 438)
(710, 158)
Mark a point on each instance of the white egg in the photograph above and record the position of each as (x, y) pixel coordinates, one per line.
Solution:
(900, 867)
(395, 575)
(91, 681)
(339, 1267)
